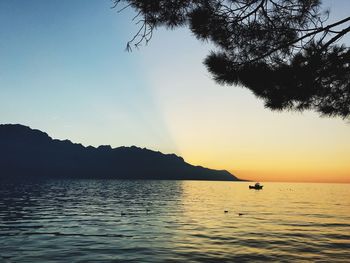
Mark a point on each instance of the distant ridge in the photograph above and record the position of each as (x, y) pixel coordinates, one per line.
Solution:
(28, 154)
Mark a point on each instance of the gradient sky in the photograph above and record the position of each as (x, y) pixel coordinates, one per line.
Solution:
(64, 70)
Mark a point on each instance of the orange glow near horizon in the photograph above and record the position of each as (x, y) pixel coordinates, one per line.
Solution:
(80, 85)
(273, 176)
(256, 144)
(288, 173)
(323, 167)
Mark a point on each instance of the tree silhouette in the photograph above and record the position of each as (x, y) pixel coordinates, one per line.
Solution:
(282, 50)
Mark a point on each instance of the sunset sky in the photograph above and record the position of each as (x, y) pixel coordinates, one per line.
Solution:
(64, 70)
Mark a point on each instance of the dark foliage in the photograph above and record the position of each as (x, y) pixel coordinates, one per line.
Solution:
(282, 50)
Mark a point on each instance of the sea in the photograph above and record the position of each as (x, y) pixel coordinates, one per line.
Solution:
(173, 221)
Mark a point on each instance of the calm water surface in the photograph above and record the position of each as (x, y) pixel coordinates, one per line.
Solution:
(172, 221)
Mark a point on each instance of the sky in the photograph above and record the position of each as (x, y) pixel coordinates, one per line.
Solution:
(64, 70)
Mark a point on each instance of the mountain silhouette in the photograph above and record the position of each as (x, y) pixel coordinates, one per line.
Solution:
(28, 154)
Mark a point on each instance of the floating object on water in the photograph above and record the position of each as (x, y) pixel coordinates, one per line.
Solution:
(240, 214)
(226, 211)
(257, 186)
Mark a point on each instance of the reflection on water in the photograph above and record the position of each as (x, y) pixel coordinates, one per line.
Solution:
(150, 221)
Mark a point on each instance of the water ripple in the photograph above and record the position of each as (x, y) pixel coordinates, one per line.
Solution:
(173, 221)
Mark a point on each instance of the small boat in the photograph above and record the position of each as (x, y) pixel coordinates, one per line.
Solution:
(257, 186)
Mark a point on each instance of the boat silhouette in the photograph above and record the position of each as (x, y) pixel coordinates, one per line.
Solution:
(257, 186)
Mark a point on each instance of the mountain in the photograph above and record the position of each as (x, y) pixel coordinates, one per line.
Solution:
(28, 154)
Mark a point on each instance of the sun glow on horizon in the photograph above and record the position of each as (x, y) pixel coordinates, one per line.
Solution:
(80, 84)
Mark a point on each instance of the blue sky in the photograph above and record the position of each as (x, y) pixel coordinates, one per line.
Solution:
(63, 67)
(64, 70)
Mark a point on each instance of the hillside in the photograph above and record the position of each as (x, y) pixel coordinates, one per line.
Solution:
(28, 154)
